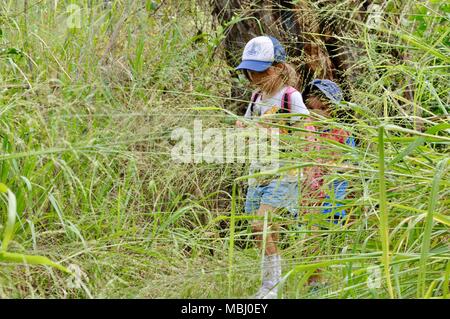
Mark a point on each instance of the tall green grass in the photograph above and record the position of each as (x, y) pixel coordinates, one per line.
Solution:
(8, 234)
(85, 121)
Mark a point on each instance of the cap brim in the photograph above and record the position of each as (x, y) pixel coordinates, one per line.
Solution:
(257, 66)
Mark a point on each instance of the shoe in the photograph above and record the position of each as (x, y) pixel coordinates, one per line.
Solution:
(266, 293)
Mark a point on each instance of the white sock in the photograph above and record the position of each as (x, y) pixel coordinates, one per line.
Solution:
(271, 271)
(276, 266)
(266, 271)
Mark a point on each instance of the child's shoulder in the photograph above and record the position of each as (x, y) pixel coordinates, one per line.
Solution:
(294, 98)
(290, 90)
(339, 131)
(338, 134)
(256, 91)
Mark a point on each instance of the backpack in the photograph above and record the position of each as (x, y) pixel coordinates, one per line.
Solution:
(285, 103)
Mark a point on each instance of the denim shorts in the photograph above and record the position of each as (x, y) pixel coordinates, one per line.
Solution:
(331, 204)
(278, 194)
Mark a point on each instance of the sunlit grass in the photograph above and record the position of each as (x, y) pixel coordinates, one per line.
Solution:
(86, 156)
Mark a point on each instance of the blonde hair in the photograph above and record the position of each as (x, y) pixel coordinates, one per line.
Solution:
(284, 74)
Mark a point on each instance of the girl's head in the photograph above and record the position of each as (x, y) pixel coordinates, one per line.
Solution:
(274, 78)
(263, 63)
(321, 95)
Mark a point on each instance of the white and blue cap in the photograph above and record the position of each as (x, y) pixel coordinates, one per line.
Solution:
(330, 89)
(260, 53)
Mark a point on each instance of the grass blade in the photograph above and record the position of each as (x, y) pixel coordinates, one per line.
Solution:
(8, 235)
(231, 245)
(384, 225)
(11, 220)
(428, 227)
(31, 260)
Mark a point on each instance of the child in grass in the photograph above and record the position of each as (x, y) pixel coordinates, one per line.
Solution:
(263, 63)
(321, 98)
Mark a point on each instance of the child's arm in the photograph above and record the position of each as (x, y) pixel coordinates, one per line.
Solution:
(239, 124)
(297, 107)
(313, 174)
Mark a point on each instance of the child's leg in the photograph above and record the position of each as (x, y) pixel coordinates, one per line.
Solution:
(277, 194)
(338, 190)
(272, 260)
(258, 228)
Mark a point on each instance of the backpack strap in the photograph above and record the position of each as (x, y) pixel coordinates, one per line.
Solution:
(286, 103)
(254, 98)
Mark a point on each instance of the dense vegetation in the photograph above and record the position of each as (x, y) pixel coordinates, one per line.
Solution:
(93, 205)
